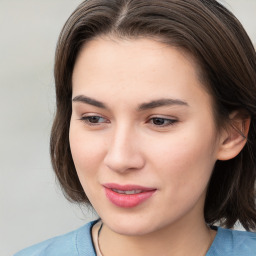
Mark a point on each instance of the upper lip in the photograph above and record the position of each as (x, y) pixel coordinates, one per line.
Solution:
(127, 187)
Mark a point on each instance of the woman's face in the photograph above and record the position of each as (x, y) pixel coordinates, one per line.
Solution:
(142, 134)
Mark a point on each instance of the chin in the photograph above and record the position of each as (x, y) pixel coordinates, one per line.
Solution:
(130, 226)
(131, 230)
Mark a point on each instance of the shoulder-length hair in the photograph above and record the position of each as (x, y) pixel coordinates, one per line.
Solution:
(218, 43)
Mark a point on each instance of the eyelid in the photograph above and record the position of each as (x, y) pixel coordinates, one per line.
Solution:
(102, 120)
(171, 121)
(85, 118)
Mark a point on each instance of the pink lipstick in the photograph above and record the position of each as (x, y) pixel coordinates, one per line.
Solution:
(127, 196)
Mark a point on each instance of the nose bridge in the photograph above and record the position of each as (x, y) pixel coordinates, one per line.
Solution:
(123, 150)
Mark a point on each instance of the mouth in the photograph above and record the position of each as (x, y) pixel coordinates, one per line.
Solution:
(127, 192)
(127, 196)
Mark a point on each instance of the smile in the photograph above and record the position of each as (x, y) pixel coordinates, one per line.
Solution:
(127, 196)
(127, 192)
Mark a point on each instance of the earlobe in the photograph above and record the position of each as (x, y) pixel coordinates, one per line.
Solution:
(234, 138)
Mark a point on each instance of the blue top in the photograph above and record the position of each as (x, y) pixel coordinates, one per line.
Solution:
(79, 243)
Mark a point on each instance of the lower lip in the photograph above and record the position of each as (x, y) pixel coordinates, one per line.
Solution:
(127, 201)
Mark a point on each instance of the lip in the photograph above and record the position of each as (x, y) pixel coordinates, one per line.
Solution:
(127, 200)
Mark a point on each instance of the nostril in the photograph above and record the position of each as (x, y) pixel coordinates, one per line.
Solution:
(122, 162)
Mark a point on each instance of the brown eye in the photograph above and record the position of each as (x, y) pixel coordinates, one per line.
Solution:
(158, 121)
(94, 120)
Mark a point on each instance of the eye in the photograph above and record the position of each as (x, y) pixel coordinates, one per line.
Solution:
(162, 122)
(94, 120)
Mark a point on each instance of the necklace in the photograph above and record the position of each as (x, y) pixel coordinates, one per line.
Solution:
(98, 244)
(98, 236)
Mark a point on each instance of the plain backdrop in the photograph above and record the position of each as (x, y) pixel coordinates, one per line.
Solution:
(32, 207)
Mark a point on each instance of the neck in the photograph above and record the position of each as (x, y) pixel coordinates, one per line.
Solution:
(176, 240)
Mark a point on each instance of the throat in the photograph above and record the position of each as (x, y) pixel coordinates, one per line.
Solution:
(116, 245)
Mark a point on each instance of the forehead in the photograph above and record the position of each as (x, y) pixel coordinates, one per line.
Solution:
(137, 68)
(132, 55)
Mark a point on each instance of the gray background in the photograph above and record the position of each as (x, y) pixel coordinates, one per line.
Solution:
(32, 207)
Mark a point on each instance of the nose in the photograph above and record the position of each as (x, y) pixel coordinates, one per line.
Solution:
(124, 153)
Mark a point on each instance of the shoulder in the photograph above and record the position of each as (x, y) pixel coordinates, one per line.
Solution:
(232, 242)
(77, 242)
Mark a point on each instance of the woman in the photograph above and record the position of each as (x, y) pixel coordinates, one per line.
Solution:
(155, 128)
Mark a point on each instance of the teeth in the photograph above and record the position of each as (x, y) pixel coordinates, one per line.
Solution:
(127, 192)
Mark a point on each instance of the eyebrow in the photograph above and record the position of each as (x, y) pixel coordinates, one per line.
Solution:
(90, 101)
(161, 103)
(142, 107)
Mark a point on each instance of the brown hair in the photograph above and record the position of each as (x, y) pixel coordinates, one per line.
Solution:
(227, 59)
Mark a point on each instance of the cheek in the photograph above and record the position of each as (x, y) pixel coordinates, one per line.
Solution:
(186, 159)
(87, 150)
(87, 153)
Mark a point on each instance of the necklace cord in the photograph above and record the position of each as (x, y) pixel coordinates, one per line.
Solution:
(101, 254)
(98, 236)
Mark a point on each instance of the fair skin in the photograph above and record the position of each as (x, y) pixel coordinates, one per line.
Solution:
(170, 147)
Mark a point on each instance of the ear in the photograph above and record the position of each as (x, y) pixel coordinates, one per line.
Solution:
(234, 137)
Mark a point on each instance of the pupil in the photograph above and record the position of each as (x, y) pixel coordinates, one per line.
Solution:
(94, 119)
(158, 121)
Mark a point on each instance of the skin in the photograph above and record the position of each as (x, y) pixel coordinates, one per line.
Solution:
(126, 144)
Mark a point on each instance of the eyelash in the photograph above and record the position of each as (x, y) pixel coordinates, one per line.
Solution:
(86, 119)
(166, 121)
